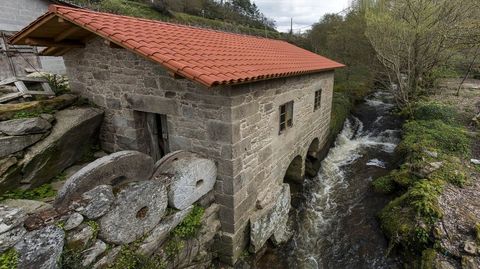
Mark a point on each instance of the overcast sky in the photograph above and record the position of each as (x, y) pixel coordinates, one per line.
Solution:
(303, 12)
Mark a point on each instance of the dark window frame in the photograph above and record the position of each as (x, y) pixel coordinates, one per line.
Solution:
(317, 101)
(285, 116)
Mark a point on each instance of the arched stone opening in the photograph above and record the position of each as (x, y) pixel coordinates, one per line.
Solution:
(312, 160)
(295, 176)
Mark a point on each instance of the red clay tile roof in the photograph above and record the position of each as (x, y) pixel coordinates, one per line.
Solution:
(207, 56)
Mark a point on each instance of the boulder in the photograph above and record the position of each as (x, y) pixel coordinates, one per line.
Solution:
(191, 177)
(160, 233)
(475, 161)
(6, 163)
(98, 248)
(264, 223)
(136, 210)
(428, 169)
(114, 169)
(8, 111)
(80, 238)
(73, 221)
(12, 144)
(74, 131)
(10, 238)
(470, 247)
(25, 126)
(40, 249)
(97, 201)
(10, 217)
(28, 206)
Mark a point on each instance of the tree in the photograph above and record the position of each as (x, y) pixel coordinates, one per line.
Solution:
(412, 37)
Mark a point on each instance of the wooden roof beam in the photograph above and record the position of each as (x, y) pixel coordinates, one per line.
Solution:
(45, 42)
(70, 31)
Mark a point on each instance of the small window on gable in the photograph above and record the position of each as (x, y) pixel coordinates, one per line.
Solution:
(318, 100)
(286, 116)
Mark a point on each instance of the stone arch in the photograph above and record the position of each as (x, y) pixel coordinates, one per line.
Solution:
(314, 148)
(312, 159)
(294, 176)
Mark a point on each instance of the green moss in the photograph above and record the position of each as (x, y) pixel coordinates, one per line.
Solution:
(33, 113)
(189, 227)
(39, 193)
(173, 247)
(384, 184)
(95, 227)
(9, 259)
(60, 177)
(452, 171)
(434, 111)
(71, 259)
(129, 259)
(420, 135)
(428, 259)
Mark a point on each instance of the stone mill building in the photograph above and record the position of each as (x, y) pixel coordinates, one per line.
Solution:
(258, 107)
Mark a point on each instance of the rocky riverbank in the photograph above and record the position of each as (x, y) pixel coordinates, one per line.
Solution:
(434, 221)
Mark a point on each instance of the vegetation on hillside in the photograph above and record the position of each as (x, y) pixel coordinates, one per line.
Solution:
(240, 16)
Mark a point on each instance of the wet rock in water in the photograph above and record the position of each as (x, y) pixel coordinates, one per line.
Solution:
(98, 248)
(25, 126)
(10, 217)
(73, 221)
(136, 210)
(264, 223)
(78, 239)
(75, 129)
(40, 249)
(10, 238)
(115, 169)
(28, 206)
(97, 201)
(191, 178)
(160, 233)
(108, 259)
(12, 144)
(470, 247)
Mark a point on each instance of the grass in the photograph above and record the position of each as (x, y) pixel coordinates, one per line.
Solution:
(9, 259)
(39, 193)
(189, 227)
(32, 114)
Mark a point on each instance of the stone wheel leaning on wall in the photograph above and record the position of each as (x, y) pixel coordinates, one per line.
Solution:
(117, 200)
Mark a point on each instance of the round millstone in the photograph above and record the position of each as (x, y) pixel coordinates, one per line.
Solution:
(191, 177)
(115, 169)
(136, 210)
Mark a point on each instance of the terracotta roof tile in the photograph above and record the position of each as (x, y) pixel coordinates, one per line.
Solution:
(207, 56)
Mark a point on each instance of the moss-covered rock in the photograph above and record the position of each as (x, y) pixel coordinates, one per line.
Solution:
(35, 108)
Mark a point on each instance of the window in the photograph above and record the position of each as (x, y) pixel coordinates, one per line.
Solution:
(318, 100)
(286, 116)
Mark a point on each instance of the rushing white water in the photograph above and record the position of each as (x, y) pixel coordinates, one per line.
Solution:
(337, 225)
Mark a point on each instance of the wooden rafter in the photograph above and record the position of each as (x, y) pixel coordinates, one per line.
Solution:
(73, 29)
(45, 42)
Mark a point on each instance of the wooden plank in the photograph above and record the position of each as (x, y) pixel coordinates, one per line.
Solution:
(32, 28)
(47, 89)
(22, 88)
(153, 136)
(32, 79)
(8, 81)
(46, 42)
(38, 93)
(10, 96)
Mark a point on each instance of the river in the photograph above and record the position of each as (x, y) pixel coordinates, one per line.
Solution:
(337, 225)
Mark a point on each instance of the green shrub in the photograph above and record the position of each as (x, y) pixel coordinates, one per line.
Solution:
(58, 83)
(39, 193)
(384, 184)
(435, 111)
(9, 259)
(189, 227)
(32, 114)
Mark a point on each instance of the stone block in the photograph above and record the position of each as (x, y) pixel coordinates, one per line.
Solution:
(152, 104)
(244, 111)
(25, 126)
(12, 144)
(219, 131)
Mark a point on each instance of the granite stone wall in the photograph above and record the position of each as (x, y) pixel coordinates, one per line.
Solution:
(237, 126)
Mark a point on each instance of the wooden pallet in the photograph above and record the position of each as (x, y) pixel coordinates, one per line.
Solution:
(22, 88)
